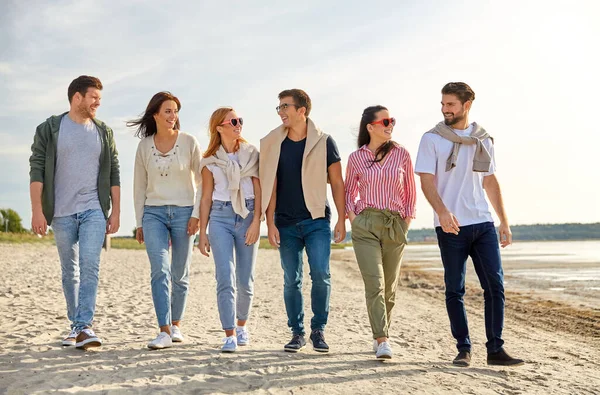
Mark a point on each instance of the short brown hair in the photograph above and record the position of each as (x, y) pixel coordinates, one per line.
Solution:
(300, 98)
(81, 85)
(460, 90)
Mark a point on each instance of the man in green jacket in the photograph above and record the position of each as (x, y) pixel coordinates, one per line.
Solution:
(74, 176)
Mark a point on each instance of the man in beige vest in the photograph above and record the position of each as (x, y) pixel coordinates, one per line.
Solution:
(296, 162)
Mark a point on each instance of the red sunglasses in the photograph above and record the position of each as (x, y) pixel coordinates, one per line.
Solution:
(234, 122)
(385, 122)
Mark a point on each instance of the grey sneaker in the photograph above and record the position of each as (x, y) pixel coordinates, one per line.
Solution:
(229, 344)
(243, 336)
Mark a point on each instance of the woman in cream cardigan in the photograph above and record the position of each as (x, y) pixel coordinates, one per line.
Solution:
(166, 177)
(229, 187)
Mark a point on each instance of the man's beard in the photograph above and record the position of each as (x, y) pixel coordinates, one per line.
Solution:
(85, 112)
(454, 120)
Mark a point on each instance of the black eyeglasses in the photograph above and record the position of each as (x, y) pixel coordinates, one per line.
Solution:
(284, 106)
(234, 122)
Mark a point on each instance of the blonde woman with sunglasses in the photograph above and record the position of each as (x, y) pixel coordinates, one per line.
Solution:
(229, 187)
(381, 172)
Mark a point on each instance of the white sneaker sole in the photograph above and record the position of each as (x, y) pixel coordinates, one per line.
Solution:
(159, 346)
(68, 343)
(89, 343)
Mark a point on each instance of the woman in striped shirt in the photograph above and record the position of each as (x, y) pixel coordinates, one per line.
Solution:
(380, 174)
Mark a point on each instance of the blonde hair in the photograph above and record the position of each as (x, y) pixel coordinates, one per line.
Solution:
(216, 119)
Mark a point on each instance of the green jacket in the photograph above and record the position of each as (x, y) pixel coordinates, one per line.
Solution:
(42, 163)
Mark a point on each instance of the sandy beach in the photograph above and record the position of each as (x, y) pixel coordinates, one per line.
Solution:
(560, 341)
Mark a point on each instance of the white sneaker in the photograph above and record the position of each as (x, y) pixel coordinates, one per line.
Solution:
(163, 340)
(71, 338)
(384, 351)
(176, 334)
(243, 336)
(229, 344)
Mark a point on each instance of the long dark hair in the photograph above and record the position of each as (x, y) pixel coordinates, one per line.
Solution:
(364, 137)
(146, 125)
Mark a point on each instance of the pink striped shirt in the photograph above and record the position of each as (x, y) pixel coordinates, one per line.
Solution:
(390, 185)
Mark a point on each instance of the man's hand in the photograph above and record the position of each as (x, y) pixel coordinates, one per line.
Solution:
(274, 239)
(113, 223)
(449, 223)
(39, 225)
(139, 235)
(204, 244)
(505, 235)
(193, 226)
(339, 232)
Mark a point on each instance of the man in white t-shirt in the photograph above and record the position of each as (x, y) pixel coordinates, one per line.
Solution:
(456, 164)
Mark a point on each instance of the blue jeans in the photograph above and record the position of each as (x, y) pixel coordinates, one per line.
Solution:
(480, 242)
(161, 223)
(227, 234)
(79, 239)
(315, 236)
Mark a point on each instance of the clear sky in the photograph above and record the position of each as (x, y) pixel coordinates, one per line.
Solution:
(533, 65)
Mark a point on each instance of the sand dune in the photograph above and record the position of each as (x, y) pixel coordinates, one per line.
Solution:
(33, 321)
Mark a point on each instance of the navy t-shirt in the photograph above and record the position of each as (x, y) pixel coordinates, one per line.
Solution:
(290, 207)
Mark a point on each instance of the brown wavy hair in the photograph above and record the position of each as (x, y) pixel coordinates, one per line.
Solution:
(216, 119)
(146, 124)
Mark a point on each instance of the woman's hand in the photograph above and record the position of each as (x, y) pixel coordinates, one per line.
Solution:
(253, 232)
(193, 226)
(204, 244)
(139, 235)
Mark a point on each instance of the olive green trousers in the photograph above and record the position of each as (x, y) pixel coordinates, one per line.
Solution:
(378, 239)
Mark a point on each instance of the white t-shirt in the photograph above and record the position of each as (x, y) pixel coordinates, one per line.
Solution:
(221, 188)
(461, 189)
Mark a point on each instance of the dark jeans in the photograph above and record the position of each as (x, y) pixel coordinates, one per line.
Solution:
(480, 242)
(315, 236)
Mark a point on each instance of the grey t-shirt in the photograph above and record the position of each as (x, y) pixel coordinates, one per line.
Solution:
(77, 167)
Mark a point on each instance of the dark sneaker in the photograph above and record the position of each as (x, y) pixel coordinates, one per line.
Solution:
(501, 358)
(462, 359)
(87, 339)
(318, 341)
(296, 344)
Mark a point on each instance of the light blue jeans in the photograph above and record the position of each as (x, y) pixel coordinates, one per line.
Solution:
(227, 234)
(161, 224)
(79, 239)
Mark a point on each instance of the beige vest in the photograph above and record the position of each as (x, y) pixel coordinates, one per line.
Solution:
(314, 167)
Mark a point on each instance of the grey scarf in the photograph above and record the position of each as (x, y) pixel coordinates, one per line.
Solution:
(482, 160)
